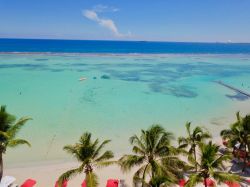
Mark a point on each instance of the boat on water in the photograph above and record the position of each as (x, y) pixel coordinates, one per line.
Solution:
(82, 78)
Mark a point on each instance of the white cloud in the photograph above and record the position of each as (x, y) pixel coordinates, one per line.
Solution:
(104, 8)
(90, 14)
(109, 24)
(104, 22)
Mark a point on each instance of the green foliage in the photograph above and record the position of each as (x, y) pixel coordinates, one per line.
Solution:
(192, 140)
(89, 154)
(154, 156)
(239, 132)
(210, 164)
(91, 179)
(9, 129)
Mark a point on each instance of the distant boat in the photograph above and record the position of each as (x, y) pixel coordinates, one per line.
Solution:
(82, 78)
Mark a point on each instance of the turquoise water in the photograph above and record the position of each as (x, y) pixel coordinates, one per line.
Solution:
(121, 95)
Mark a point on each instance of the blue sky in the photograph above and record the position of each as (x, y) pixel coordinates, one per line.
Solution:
(160, 20)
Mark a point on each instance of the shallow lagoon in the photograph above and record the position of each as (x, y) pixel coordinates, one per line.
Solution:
(122, 94)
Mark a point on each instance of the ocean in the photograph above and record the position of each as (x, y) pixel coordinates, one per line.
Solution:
(124, 47)
(128, 86)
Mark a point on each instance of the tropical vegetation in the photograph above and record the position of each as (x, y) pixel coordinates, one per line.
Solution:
(90, 154)
(192, 140)
(154, 156)
(210, 164)
(237, 138)
(9, 128)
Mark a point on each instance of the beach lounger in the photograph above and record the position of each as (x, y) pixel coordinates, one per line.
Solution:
(112, 183)
(65, 183)
(29, 183)
(182, 182)
(209, 182)
(232, 184)
(84, 184)
(7, 181)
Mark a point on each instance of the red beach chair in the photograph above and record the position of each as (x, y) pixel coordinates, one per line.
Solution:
(29, 183)
(209, 182)
(112, 183)
(84, 184)
(65, 183)
(182, 182)
(232, 184)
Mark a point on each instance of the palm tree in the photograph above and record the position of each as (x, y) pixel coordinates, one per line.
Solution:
(192, 140)
(155, 157)
(9, 128)
(210, 164)
(239, 132)
(88, 153)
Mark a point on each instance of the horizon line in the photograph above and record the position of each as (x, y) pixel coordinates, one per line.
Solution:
(163, 41)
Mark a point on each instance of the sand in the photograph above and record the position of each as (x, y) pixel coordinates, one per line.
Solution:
(46, 173)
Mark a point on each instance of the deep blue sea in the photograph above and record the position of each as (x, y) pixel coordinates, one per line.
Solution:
(91, 46)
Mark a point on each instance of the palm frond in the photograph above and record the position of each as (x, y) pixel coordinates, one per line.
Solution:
(105, 156)
(4, 134)
(13, 130)
(223, 177)
(103, 164)
(85, 139)
(17, 142)
(99, 149)
(193, 180)
(70, 149)
(188, 126)
(182, 141)
(138, 142)
(129, 161)
(69, 174)
(6, 119)
(138, 150)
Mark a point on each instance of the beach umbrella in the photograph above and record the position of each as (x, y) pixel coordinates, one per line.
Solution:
(112, 183)
(84, 184)
(209, 182)
(237, 145)
(182, 182)
(29, 183)
(232, 184)
(65, 183)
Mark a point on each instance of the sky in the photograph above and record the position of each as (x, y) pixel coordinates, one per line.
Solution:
(149, 20)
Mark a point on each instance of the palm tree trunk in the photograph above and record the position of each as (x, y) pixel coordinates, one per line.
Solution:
(245, 158)
(195, 159)
(1, 166)
(205, 181)
(90, 178)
